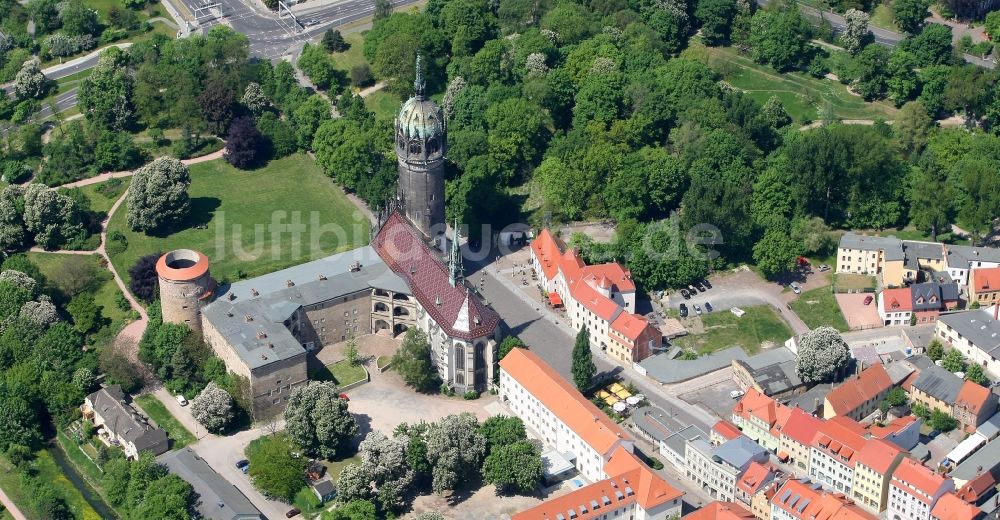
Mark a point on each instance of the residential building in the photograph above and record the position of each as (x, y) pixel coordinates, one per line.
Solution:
(904, 432)
(119, 424)
(674, 448)
(797, 437)
(755, 479)
(898, 262)
(720, 511)
(962, 260)
(862, 254)
(717, 468)
(771, 373)
(950, 507)
(974, 405)
(930, 298)
(873, 471)
(895, 306)
(599, 298)
(981, 492)
(800, 499)
(760, 504)
(760, 418)
(217, 498)
(559, 414)
(723, 431)
(938, 389)
(915, 490)
(976, 334)
(859, 396)
(631, 491)
(984, 286)
(834, 453)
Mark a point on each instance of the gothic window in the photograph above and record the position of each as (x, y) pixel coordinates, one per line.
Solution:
(459, 357)
(433, 145)
(414, 146)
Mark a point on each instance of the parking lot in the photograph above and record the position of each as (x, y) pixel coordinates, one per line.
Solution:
(856, 313)
(714, 398)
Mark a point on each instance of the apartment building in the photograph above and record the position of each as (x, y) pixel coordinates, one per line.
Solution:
(974, 333)
(898, 261)
(950, 507)
(834, 453)
(717, 468)
(755, 479)
(797, 437)
(760, 418)
(984, 286)
(859, 396)
(915, 490)
(938, 389)
(801, 499)
(873, 471)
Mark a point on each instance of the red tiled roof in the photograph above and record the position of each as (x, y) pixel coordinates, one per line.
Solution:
(601, 305)
(565, 401)
(878, 455)
(611, 274)
(881, 432)
(863, 387)
(802, 501)
(756, 404)
(974, 490)
(844, 440)
(920, 477)
(897, 300)
(754, 478)
(950, 507)
(630, 325)
(727, 430)
(720, 511)
(986, 279)
(547, 252)
(459, 313)
(801, 427)
(972, 396)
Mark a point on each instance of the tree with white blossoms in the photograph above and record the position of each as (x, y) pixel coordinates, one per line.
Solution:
(30, 83)
(535, 65)
(773, 113)
(384, 475)
(20, 279)
(255, 100)
(429, 515)
(822, 355)
(856, 32)
(455, 449)
(317, 419)
(83, 378)
(42, 312)
(158, 197)
(454, 87)
(212, 408)
(51, 216)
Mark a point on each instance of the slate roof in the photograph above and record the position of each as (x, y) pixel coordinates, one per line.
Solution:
(650, 419)
(978, 326)
(740, 452)
(666, 370)
(811, 400)
(218, 499)
(271, 299)
(112, 405)
(961, 256)
(454, 308)
(986, 459)
(938, 383)
(677, 441)
(892, 246)
(926, 296)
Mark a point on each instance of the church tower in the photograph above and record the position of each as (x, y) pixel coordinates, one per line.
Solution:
(421, 142)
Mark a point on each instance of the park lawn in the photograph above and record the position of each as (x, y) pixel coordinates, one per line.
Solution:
(353, 56)
(803, 96)
(383, 103)
(54, 267)
(164, 419)
(334, 467)
(761, 324)
(882, 16)
(48, 472)
(100, 202)
(306, 502)
(227, 203)
(818, 307)
(342, 373)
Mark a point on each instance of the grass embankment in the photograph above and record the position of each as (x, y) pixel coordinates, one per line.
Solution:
(179, 435)
(232, 212)
(342, 373)
(760, 325)
(819, 307)
(48, 472)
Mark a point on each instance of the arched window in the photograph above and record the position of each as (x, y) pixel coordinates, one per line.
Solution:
(381, 307)
(414, 146)
(433, 145)
(459, 358)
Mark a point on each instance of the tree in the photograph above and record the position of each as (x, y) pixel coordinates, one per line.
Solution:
(896, 397)
(779, 38)
(279, 134)
(992, 25)
(244, 144)
(455, 449)
(911, 129)
(78, 18)
(953, 361)
(776, 252)
(361, 75)
(143, 280)
(40, 313)
(213, 408)
(931, 201)
(774, 114)
(383, 474)
(501, 430)
(856, 34)
(383, 9)
(942, 422)
(351, 352)
(413, 362)
(255, 100)
(932, 46)
(317, 419)
(30, 83)
(823, 355)
(976, 374)
(935, 350)
(157, 198)
(316, 63)
(274, 470)
(105, 96)
(53, 218)
(168, 498)
(910, 14)
(333, 41)
(353, 510)
(514, 467)
(509, 343)
(584, 368)
(872, 70)
(716, 18)
(217, 106)
(980, 185)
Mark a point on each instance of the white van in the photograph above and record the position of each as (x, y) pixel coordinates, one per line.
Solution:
(736, 394)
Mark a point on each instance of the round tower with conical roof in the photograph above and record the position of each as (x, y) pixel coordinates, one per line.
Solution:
(421, 142)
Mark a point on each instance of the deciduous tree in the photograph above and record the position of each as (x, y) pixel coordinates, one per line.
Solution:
(318, 420)
(823, 355)
(856, 33)
(213, 408)
(514, 467)
(715, 18)
(30, 83)
(143, 281)
(245, 144)
(910, 14)
(157, 198)
(413, 362)
(274, 469)
(455, 449)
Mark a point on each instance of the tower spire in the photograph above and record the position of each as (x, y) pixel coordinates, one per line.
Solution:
(418, 80)
(456, 273)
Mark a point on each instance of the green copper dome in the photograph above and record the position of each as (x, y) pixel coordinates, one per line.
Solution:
(420, 118)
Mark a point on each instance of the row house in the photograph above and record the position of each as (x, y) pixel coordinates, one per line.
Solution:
(717, 468)
(859, 396)
(974, 333)
(897, 261)
(720, 511)
(938, 389)
(915, 490)
(834, 453)
(873, 471)
(951, 507)
(755, 479)
(801, 499)
(984, 286)
(760, 418)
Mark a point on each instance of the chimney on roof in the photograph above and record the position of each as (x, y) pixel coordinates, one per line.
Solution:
(261, 334)
(231, 296)
(322, 277)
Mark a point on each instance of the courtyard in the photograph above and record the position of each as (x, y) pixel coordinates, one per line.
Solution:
(858, 315)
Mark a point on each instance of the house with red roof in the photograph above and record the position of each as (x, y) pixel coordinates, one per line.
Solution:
(601, 450)
(796, 438)
(720, 511)
(801, 499)
(984, 286)
(723, 431)
(599, 298)
(859, 396)
(754, 480)
(761, 418)
(950, 507)
(873, 471)
(915, 490)
(973, 406)
(834, 453)
(895, 306)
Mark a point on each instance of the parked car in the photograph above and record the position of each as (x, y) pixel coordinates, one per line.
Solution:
(242, 463)
(181, 400)
(824, 267)
(795, 288)
(685, 294)
(701, 288)
(697, 309)
(344, 397)
(683, 309)
(245, 469)
(868, 299)
(736, 394)
(706, 283)
(708, 307)
(292, 512)
(692, 289)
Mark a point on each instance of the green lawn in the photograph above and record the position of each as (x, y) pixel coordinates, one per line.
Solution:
(723, 329)
(819, 307)
(334, 467)
(63, 271)
(306, 502)
(883, 17)
(802, 95)
(382, 361)
(383, 103)
(342, 373)
(179, 435)
(352, 56)
(229, 204)
(48, 472)
(102, 197)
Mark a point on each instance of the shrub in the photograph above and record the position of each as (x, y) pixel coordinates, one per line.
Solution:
(470, 395)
